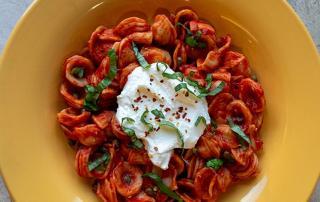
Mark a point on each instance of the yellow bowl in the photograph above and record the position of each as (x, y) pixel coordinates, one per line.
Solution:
(37, 162)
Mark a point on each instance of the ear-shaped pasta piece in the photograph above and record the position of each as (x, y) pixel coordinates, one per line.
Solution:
(247, 164)
(154, 54)
(217, 107)
(224, 43)
(163, 31)
(204, 28)
(177, 163)
(117, 131)
(211, 62)
(194, 73)
(103, 119)
(204, 184)
(224, 179)
(126, 54)
(83, 65)
(141, 197)
(185, 15)
(251, 93)
(225, 137)
(86, 155)
(138, 157)
(179, 55)
(72, 117)
(73, 97)
(101, 72)
(256, 142)
(67, 131)
(101, 40)
(237, 62)
(108, 97)
(90, 135)
(106, 191)
(240, 114)
(186, 190)
(222, 76)
(125, 72)
(127, 179)
(131, 25)
(141, 37)
(195, 164)
(208, 147)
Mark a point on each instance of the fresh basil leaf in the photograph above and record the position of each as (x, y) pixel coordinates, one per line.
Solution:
(183, 86)
(171, 125)
(237, 130)
(215, 91)
(78, 72)
(198, 34)
(157, 113)
(191, 41)
(137, 144)
(97, 162)
(163, 188)
(142, 61)
(93, 93)
(175, 75)
(200, 118)
(128, 120)
(143, 120)
(214, 163)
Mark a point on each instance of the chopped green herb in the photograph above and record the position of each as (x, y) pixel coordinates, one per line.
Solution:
(163, 188)
(171, 125)
(97, 162)
(143, 120)
(191, 41)
(78, 72)
(175, 75)
(200, 118)
(157, 113)
(183, 86)
(142, 61)
(237, 130)
(215, 91)
(214, 163)
(93, 93)
(209, 81)
(130, 132)
(184, 27)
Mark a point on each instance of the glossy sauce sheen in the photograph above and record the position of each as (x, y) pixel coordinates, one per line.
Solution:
(149, 90)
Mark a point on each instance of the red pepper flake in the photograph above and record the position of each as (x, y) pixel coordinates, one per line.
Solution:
(186, 131)
(136, 109)
(146, 133)
(180, 109)
(161, 81)
(137, 99)
(176, 95)
(188, 120)
(158, 129)
(138, 90)
(161, 105)
(167, 109)
(185, 108)
(196, 101)
(155, 149)
(150, 84)
(144, 96)
(187, 94)
(171, 99)
(151, 79)
(154, 99)
(141, 101)
(148, 89)
(177, 116)
(184, 115)
(132, 106)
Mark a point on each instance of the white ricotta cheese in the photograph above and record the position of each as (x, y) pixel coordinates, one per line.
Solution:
(149, 90)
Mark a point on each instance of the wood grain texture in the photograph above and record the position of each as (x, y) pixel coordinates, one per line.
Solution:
(11, 10)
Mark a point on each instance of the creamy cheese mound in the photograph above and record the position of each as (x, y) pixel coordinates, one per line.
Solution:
(148, 89)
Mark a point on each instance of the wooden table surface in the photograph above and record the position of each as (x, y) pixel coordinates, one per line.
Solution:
(11, 10)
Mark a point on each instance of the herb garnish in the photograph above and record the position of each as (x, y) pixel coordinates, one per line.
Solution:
(163, 188)
(214, 163)
(236, 129)
(78, 72)
(215, 91)
(171, 125)
(175, 75)
(143, 120)
(184, 86)
(199, 119)
(99, 161)
(93, 93)
(130, 132)
(157, 113)
(193, 39)
(142, 61)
